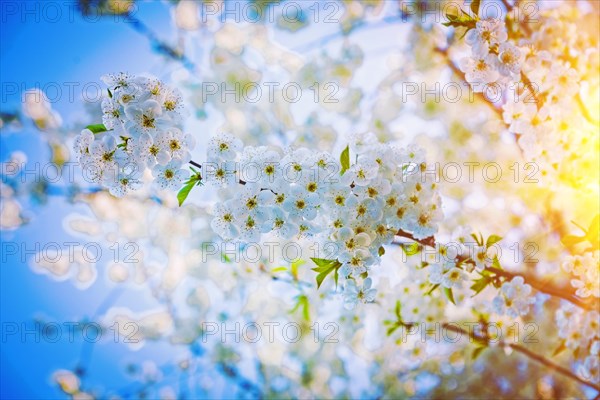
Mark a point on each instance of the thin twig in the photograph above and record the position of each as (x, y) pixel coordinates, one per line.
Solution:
(195, 164)
(523, 350)
(534, 282)
(508, 6)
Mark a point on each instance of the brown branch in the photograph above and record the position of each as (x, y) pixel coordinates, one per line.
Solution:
(508, 6)
(523, 24)
(523, 350)
(543, 287)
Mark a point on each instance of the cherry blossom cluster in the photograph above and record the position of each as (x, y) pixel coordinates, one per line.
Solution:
(514, 298)
(142, 129)
(493, 59)
(542, 81)
(578, 331)
(358, 205)
(585, 272)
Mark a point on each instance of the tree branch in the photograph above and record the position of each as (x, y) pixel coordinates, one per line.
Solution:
(543, 287)
(528, 353)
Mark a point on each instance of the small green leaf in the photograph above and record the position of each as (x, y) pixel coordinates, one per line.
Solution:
(456, 20)
(561, 347)
(410, 249)
(398, 310)
(109, 93)
(480, 284)
(320, 278)
(294, 267)
(572, 240)
(493, 239)
(449, 295)
(194, 180)
(381, 251)
(433, 288)
(592, 234)
(345, 160)
(496, 262)
(391, 329)
(184, 192)
(475, 6)
(279, 269)
(323, 264)
(306, 309)
(477, 352)
(451, 17)
(96, 128)
(304, 304)
(324, 268)
(479, 241)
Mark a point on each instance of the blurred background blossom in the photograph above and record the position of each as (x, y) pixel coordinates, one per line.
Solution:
(106, 297)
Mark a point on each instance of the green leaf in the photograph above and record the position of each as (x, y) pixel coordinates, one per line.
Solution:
(324, 268)
(320, 278)
(184, 192)
(323, 264)
(593, 232)
(493, 239)
(477, 352)
(433, 288)
(345, 160)
(279, 269)
(294, 267)
(480, 284)
(109, 93)
(195, 179)
(398, 310)
(381, 251)
(306, 309)
(96, 128)
(304, 304)
(456, 20)
(561, 347)
(477, 239)
(449, 295)
(572, 240)
(452, 17)
(496, 262)
(475, 6)
(410, 249)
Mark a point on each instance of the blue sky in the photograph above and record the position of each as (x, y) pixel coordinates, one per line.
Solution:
(41, 49)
